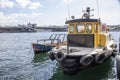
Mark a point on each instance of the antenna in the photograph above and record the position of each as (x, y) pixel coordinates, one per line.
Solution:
(68, 10)
(98, 9)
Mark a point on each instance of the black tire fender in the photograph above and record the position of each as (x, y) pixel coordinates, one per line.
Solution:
(86, 60)
(51, 55)
(107, 54)
(99, 58)
(105, 48)
(69, 63)
(70, 71)
(60, 56)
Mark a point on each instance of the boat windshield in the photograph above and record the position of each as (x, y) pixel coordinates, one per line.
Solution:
(71, 29)
(88, 28)
(80, 28)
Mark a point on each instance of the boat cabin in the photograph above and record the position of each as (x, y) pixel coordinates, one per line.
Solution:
(86, 33)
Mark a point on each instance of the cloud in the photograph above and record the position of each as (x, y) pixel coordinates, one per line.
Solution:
(6, 3)
(23, 3)
(29, 4)
(35, 5)
(17, 18)
(5, 19)
(67, 1)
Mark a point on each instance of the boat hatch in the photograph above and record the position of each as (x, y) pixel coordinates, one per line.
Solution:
(81, 40)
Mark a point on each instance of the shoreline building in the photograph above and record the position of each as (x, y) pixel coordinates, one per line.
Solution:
(19, 28)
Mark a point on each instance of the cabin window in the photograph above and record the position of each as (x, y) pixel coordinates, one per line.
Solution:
(80, 28)
(71, 28)
(88, 28)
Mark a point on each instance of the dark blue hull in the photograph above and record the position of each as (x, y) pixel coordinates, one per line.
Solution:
(41, 48)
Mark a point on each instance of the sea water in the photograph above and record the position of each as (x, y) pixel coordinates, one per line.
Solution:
(18, 61)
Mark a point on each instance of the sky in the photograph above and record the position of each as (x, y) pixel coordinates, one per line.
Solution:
(55, 12)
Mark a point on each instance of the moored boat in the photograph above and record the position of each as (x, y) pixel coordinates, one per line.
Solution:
(44, 45)
(88, 44)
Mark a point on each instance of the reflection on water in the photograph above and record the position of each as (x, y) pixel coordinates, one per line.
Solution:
(40, 57)
(100, 72)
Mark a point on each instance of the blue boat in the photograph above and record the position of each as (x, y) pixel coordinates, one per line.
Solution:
(44, 45)
(41, 47)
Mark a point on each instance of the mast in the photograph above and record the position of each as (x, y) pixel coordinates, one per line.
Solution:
(98, 8)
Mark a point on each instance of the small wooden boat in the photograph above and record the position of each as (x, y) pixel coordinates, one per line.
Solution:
(88, 44)
(44, 45)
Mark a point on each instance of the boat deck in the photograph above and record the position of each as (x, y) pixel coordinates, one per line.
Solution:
(80, 51)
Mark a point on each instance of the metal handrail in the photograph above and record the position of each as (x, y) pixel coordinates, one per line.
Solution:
(57, 37)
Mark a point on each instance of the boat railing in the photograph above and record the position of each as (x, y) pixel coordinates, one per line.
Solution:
(54, 39)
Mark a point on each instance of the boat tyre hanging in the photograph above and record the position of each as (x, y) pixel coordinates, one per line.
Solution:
(105, 48)
(114, 53)
(107, 54)
(70, 71)
(69, 63)
(50, 54)
(99, 58)
(60, 56)
(86, 60)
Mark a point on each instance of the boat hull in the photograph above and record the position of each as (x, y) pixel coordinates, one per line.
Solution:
(72, 66)
(38, 48)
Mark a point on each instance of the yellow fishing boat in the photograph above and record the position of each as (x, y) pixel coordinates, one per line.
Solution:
(88, 44)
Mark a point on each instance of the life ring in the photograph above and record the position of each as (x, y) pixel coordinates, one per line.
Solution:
(51, 55)
(60, 56)
(99, 58)
(86, 60)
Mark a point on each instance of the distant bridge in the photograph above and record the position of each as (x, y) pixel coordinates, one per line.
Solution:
(52, 28)
(17, 29)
